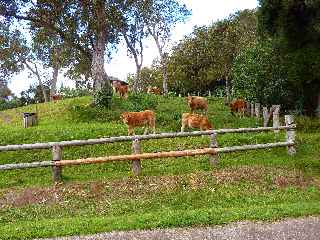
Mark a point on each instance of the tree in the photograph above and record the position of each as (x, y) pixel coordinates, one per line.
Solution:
(17, 56)
(160, 18)
(133, 31)
(207, 55)
(294, 28)
(86, 26)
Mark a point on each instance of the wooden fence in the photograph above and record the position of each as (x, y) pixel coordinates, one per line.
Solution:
(213, 150)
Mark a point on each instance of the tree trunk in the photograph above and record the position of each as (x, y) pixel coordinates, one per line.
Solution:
(99, 75)
(137, 84)
(53, 87)
(165, 77)
(227, 96)
(100, 78)
(56, 66)
(163, 60)
(36, 72)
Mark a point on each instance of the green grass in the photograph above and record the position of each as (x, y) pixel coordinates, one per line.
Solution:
(252, 185)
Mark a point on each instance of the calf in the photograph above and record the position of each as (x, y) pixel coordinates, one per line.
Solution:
(56, 97)
(154, 90)
(195, 121)
(197, 103)
(134, 119)
(238, 106)
(122, 90)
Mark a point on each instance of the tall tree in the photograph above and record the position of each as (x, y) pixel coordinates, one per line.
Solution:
(134, 32)
(294, 27)
(206, 55)
(160, 18)
(86, 26)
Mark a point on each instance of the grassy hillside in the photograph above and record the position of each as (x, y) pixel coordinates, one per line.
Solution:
(263, 184)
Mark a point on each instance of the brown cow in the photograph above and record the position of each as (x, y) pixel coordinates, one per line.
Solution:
(122, 90)
(195, 121)
(135, 119)
(197, 103)
(154, 90)
(56, 97)
(238, 106)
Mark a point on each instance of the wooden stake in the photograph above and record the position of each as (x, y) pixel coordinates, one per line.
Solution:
(248, 109)
(290, 136)
(252, 109)
(257, 110)
(275, 120)
(136, 164)
(56, 157)
(213, 158)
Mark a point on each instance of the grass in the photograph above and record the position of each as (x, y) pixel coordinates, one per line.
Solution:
(253, 185)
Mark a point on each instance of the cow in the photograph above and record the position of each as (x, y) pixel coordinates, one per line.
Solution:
(56, 97)
(197, 103)
(115, 84)
(135, 119)
(238, 106)
(122, 90)
(192, 120)
(154, 90)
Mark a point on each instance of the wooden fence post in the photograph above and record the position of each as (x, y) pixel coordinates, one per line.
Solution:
(252, 109)
(275, 119)
(136, 164)
(290, 136)
(56, 156)
(214, 158)
(257, 110)
(267, 115)
(248, 109)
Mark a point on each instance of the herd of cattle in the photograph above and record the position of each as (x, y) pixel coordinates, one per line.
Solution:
(147, 118)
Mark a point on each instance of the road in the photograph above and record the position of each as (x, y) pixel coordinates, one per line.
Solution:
(307, 228)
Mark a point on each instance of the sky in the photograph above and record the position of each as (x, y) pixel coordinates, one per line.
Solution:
(204, 12)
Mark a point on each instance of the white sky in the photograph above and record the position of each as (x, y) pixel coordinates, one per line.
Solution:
(204, 12)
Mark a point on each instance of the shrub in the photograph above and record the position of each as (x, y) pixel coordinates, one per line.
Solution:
(68, 92)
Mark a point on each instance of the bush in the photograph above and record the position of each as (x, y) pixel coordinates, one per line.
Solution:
(103, 97)
(307, 124)
(8, 104)
(68, 92)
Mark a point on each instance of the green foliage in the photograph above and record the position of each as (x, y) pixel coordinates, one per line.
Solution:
(294, 29)
(12, 103)
(68, 92)
(294, 23)
(258, 75)
(103, 97)
(264, 74)
(308, 125)
(13, 50)
(206, 55)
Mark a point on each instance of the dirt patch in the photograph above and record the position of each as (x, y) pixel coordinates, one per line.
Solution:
(236, 174)
(138, 187)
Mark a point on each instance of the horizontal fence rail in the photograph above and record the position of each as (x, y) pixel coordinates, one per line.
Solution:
(132, 157)
(213, 150)
(139, 137)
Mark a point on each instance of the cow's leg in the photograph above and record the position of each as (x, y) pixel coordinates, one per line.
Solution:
(182, 127)
(146, 128)
(130, 130)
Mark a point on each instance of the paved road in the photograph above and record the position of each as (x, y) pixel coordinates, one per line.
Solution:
(292, 229)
